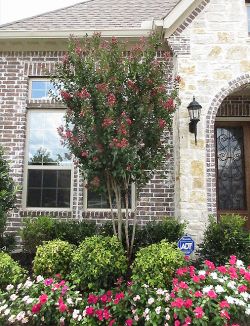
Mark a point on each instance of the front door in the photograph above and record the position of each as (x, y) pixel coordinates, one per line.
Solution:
(233, 168)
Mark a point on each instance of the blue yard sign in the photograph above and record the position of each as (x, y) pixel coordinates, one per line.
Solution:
(186, 245)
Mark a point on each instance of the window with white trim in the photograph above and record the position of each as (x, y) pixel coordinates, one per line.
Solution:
(48, 173)
(248, 15)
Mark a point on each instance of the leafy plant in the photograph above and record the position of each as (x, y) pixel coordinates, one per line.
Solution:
(155, 265)
(118, 109)
(225, 238)
(10, 271)
(74, 231)
(97, 262)
(35, 231)
(54, 257)
(8, 191)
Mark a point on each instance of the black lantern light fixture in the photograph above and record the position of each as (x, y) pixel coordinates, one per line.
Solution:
(194, 110)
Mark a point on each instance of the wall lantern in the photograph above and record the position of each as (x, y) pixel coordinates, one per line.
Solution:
(194, 110)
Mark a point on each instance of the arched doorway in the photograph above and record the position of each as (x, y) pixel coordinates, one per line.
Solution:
(232, 158)
(228, 150)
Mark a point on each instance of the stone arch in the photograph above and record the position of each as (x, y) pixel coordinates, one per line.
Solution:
(231, 87)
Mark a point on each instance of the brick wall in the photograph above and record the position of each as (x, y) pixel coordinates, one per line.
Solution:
(156, 199)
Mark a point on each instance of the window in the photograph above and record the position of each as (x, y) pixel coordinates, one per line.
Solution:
(48, 176)
(40, 88)
(95, 200)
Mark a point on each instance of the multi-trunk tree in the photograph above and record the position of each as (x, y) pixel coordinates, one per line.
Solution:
(118, 110)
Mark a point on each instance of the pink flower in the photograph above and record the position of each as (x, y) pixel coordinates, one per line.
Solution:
(111, 323)
(84, 94)
(129, 322)
(211, 294)
(188, 320)
(102, 87)
(62, 307)
(162, 123)
(247, 276)
(177, 323)
(48, 281)
(198, 312)
(43, 299)
(232, 260)
(36, 308)
(224, 314)
(65, 95)
(111, 99)
(92, 299)
(178, 303)
(198, 294)
(222, 269)
(196, 279)
(90, 311)
(209, 264)
(106, 314)
(224, 304)
(183, 285)
(118, 297)
(107, 122)
(99, 314)
(103, 298)
(188, 303)
(242, 288)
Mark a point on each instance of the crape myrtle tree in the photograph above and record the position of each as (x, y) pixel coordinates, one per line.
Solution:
(117, 111)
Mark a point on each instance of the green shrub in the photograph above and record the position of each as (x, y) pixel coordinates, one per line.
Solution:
(35, 231)
(98, 262)
(53, 257)
(225, 238)
(155, 265)
(73, 231)
(10, 271)
(169, 229)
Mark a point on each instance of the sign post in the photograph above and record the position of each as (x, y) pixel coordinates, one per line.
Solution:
(186, 245)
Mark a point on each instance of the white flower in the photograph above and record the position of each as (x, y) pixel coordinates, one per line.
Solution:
(19, 286)
(6, 312)
(39, 278)
(3, 307)
(206, 289)
(29, 300)
(158, 310)
(147, 317)
(247, 311)
(202, 273)
(21, 315)
(239, 302)
(69, 301)
(145, 286)
(80, 317)
(167, 317)
(24, 299)
(231, 285)
(230, 299)
(214, 275)
(136, 317)
(167, 310)
(160, 292)
(25, 320)
(146, 311)
(75, 313)
(13, 297)
(28, 284)
(151, 300)
(245, 295)
(62, 319)
(167, 297)
(239, 263)
(12, 319)
(136, 298)
(9, 287)
(219, 289)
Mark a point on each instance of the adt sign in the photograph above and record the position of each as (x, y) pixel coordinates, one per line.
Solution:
(186, 245)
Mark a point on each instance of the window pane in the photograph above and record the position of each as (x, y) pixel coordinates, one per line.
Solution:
(97, 200)
(49, 188)
(40, 89)
(44, 142)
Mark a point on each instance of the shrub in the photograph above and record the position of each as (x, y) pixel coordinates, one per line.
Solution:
(10, 271)
(53, 258)
(98, 262)
(35, 231)
(169, 229)
(73, 231)
(155, 265)
(225, 238)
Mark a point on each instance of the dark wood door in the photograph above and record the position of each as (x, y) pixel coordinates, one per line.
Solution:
(233, 168)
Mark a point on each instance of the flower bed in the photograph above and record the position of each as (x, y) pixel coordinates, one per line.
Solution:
(210, 296)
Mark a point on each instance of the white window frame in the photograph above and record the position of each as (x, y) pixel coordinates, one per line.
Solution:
(27, 167)
(85, 201)
(38, 79)
(248, 17)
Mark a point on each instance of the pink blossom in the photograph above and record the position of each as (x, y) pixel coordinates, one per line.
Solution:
(178, 303)
(188, 303)
(177, 323)
(242, 288)
(198, 294)
(43, 299)
(183, 285)
(196, 279)
(62, 307)
(224, 314)
(36, 308)
(198, 311)
(90, 311)
(129, 322)
(209, 264)
(224, 304)
(84, 94)
(211, 294)
(222, 269)
(65, 95)
(162, 123)
(48, 281)
(232, 260)
(92, 299)
(111, 99)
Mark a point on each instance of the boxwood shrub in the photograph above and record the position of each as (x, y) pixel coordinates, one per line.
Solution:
(10, 271)
(53, 257)
(98, 262)
(155, 265)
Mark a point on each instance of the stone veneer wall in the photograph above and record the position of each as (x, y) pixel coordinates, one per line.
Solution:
(212, 55)
(157, 198)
